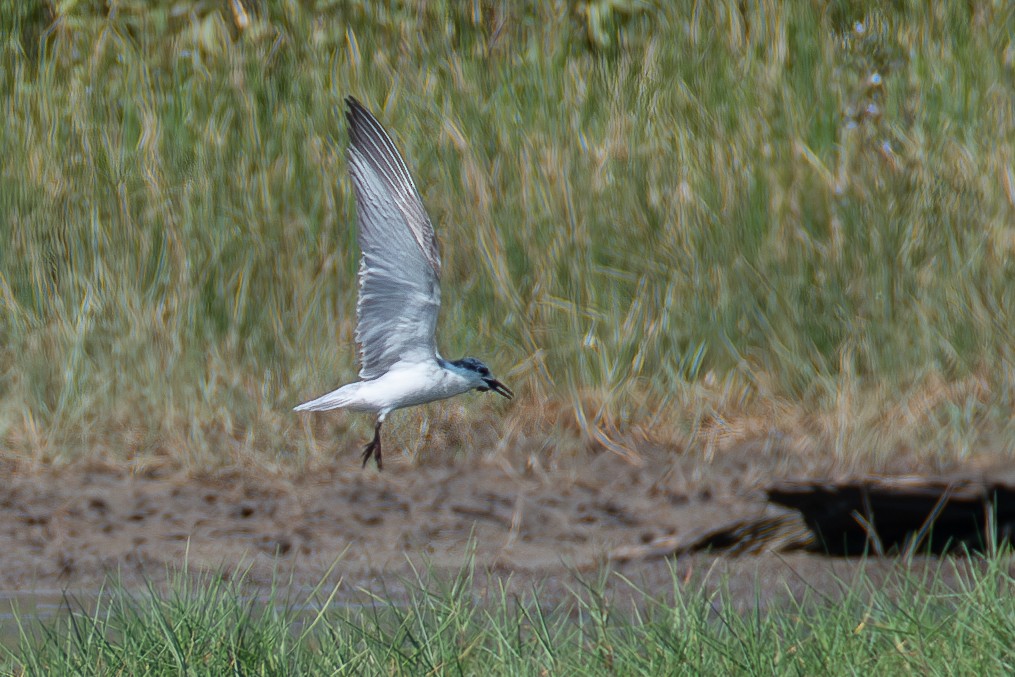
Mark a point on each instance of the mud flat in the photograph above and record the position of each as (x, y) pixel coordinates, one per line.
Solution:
(69, 529)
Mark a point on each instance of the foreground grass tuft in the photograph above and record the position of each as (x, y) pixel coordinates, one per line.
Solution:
(785, 220)
(913, 622)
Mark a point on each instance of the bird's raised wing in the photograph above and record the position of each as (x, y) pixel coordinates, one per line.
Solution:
(399, 275)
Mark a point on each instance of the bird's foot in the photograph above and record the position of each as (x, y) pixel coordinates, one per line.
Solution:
(374, 448)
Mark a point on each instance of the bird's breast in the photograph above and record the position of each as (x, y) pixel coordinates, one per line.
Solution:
(406, 385)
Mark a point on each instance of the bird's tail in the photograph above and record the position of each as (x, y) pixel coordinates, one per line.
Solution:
(333, 400)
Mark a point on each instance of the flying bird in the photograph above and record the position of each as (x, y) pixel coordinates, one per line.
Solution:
(399, 291)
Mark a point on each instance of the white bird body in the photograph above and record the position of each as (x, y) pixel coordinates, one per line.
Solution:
(399, 291)
(406, 384)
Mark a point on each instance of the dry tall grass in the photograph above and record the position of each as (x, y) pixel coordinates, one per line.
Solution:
(684, 223)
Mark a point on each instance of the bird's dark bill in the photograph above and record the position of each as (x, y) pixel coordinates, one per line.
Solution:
(498, 387)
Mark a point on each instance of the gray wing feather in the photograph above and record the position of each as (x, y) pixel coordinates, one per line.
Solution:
(399, 285)
(370, 139)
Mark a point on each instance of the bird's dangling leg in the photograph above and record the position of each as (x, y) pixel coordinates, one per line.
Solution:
(374, 448)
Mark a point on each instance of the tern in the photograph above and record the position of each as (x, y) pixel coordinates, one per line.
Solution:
(399, 291)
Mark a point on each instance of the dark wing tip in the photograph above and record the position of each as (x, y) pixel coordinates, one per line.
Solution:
(368, 134)
(356, 114)
(354, 108)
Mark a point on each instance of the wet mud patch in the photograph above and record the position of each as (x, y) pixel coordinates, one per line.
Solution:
(674, 515)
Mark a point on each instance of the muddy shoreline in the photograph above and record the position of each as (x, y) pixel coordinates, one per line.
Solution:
(71, 528)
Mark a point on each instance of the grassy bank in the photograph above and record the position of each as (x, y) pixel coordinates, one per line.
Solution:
(911, 623)
(687, 223)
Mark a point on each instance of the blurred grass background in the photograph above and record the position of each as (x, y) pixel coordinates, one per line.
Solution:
(673, 223)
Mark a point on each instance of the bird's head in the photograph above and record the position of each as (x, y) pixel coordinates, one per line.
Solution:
(482, 376)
